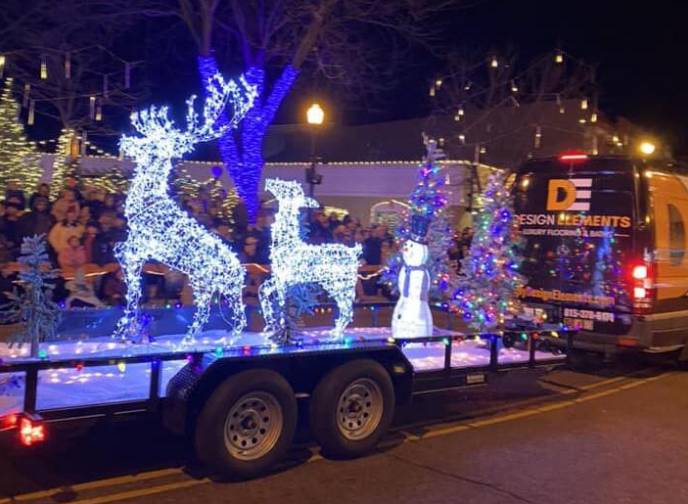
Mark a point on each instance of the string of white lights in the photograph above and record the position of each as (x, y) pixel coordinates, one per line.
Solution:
(158, 229)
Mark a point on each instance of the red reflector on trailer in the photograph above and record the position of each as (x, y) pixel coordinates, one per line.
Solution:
(30, 432)
(573, 157)
(628, 342)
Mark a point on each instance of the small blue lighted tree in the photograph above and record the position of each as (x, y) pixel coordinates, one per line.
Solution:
(32, 306)
(429, 198)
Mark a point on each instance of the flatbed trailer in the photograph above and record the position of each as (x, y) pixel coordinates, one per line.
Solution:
(238, 405)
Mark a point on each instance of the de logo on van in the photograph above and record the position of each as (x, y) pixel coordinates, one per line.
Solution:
(569, 194)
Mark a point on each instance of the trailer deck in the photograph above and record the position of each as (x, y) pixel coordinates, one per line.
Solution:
(108, 377)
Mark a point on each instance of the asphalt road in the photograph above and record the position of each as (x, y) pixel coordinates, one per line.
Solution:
(614, 436)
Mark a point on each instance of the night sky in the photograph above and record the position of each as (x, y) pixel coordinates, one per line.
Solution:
(640, 51)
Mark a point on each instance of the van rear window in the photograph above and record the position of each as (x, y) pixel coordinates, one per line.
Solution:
(576, 222)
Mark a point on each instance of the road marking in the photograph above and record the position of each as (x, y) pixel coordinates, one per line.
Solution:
(119, 480)
(315, 454)
(504, 418)
(143, 492)
(556, 406)
(443, 431)
(608, 381)
(541, 409)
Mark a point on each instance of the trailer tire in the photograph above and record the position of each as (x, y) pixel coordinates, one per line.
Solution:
(247, 425)
(351, 408)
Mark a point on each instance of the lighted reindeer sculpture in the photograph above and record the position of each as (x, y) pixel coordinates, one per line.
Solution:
(332, 266)
(161, 231)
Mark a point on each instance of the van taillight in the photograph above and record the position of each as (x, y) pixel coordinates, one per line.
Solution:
(573, 157)
(640, 272)
(641, 288)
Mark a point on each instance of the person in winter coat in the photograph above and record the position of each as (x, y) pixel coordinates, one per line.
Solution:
(10, 226)
(74, 255)
(42, 192)
(15, 195)
(62, 231)
(38, 221)
(66, 203)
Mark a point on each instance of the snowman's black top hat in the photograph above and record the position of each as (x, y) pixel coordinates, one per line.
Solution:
(419, 228)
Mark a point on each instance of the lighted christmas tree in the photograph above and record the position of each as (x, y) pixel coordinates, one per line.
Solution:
(429, 198)
(32, 307)
(490, 271)
(18, 159)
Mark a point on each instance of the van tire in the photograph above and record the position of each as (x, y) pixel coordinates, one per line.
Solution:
(247, 425)
(352, 408)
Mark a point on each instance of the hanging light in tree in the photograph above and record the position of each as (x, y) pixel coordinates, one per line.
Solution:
(27, 94)
(84, 142)
(68, 65)
(99, 111)
(438, 83)
(468, 86)
(559, 58)
(3, 60)
(514, 87)
(584, 104)
(32, 112)
(538, 136)
(127, 75)
(44, 68)
(494, 62)
(92, 106)
(560, 104)
(593, 117)
(462, 138)
(432, 91)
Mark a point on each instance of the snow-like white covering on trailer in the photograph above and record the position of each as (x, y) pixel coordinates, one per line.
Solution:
(119, 382)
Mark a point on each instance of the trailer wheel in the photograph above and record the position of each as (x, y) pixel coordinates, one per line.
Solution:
(352, 408)
(247, 424)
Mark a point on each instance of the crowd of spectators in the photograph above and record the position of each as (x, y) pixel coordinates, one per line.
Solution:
(84, 225)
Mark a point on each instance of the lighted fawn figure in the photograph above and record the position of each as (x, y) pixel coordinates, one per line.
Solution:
(161, 231)
(332, 266)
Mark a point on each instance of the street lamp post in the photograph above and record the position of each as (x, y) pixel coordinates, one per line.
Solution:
(315, 117)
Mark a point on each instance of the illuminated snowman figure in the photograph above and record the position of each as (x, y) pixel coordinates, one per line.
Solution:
(412, 317)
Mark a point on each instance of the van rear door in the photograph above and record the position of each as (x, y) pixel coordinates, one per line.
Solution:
(577, 219)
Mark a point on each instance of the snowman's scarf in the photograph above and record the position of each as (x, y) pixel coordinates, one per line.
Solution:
(407, 281)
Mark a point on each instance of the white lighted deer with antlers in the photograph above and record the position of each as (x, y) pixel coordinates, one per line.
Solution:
(332, 266)
(161, 231)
